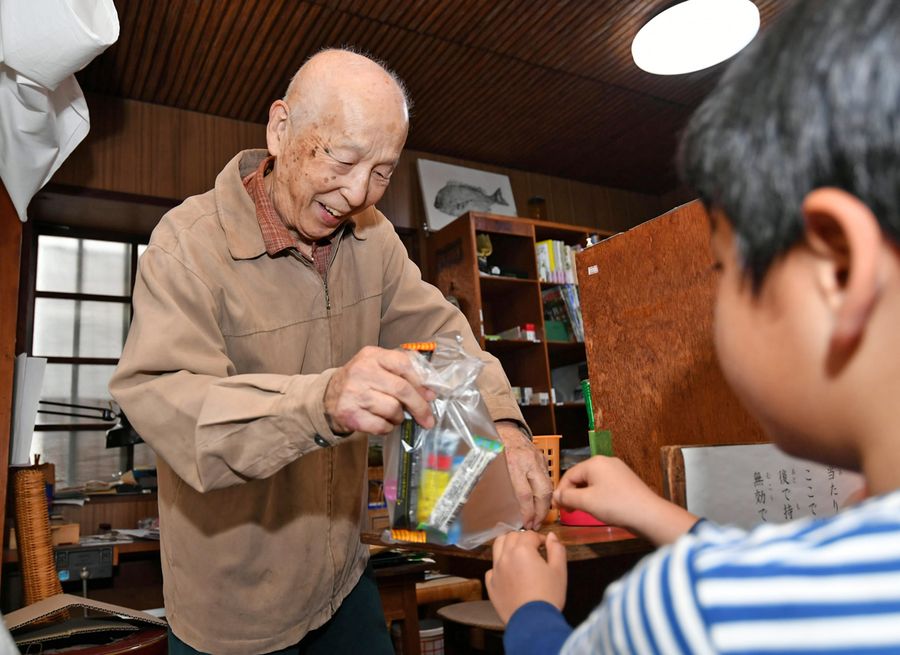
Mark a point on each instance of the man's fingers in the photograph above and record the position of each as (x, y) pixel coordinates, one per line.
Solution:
(403, 383)
(522, 488)
(542, 492)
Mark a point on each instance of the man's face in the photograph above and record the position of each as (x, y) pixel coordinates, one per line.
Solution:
(336, 165)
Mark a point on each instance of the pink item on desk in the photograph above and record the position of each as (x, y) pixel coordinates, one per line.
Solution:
(577, 517)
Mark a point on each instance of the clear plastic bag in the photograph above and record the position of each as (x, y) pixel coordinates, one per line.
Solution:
(448, 484)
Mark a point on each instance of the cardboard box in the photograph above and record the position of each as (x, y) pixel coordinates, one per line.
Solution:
(47, 624)
(64, 533)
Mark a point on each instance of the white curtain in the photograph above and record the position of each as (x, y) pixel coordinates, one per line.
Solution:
(43, 114)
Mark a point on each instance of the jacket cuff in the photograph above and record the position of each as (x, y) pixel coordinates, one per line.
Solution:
(502, 408)
(309, 401)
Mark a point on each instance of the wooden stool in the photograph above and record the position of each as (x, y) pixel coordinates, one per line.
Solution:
(472, 627)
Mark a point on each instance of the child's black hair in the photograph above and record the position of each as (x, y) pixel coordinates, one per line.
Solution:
(813, 102)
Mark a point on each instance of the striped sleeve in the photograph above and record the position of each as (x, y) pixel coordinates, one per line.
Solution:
(809, 586)
(651, 610)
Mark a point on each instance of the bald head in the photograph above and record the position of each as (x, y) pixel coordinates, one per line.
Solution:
(338, 77)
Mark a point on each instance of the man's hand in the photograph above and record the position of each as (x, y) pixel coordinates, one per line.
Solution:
(370, 392)
(606, 488)
(528, 472)
(520, 575)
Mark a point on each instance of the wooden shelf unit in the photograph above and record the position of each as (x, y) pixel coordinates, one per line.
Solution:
(493, 303)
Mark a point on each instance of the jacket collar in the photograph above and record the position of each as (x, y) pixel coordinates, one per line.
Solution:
(237, 213)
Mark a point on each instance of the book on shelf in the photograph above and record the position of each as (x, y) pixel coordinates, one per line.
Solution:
(561, 304)
(556, 261)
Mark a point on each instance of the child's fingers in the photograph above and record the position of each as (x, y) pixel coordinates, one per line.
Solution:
(497, 547)
(573, 497)
(556, 555)
(575, 476)
(556, 558)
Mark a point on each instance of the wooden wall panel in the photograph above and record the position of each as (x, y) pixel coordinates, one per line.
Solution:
(567, 201)
(151, 150)
(10, 253)
(155, 151)
(648, 321)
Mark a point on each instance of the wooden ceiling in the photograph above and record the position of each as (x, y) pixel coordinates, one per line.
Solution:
(546, 86)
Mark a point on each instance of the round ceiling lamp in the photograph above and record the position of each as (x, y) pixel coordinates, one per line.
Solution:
(694, 34)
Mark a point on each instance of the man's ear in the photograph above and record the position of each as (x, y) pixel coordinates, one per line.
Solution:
(843, 230)
(276, 129)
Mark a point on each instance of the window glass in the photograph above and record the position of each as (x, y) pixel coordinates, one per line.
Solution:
(83, 456)
(81, 384)
(56, 264)
(72, 265)
(79, 328)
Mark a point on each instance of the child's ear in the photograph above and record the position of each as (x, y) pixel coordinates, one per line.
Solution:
(844, 231)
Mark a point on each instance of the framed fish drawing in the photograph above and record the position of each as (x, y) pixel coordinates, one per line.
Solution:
(449, 191)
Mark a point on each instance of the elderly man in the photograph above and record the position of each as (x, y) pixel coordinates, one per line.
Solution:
(266, 314)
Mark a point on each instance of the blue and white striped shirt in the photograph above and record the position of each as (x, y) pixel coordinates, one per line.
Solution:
(810, 586)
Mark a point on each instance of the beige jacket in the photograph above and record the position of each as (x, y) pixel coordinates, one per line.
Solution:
(223, 374)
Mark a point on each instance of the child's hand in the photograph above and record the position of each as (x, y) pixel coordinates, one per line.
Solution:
(606, 488)
(520, 575)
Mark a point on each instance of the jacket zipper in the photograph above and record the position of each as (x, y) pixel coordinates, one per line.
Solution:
(334, 245)
(335, 242)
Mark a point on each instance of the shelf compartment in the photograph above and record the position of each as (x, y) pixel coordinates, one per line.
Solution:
(511, 253)
(502, 346)
(562, 353)
(539, 418)
(506, 303)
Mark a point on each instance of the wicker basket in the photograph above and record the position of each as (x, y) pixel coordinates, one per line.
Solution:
(549, 445)
(38, 566)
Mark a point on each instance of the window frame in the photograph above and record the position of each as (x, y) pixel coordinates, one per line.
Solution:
(29, 294)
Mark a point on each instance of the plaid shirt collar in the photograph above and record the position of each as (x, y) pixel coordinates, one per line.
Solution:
(275, 235)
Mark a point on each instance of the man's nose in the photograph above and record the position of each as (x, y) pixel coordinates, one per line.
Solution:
(356, 188)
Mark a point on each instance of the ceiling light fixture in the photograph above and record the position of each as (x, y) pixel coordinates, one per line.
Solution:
(694, 34)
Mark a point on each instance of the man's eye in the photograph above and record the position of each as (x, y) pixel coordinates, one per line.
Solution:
(717, 267)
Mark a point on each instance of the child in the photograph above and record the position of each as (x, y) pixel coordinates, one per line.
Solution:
(796, 154)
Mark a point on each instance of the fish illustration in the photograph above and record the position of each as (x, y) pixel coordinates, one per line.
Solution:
(457, 198)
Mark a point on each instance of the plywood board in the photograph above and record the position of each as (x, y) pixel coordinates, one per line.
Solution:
(647, 299)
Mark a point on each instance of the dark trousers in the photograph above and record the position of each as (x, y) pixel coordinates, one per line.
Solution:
(357, 627)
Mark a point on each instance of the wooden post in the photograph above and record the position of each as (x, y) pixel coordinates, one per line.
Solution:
(10, 253)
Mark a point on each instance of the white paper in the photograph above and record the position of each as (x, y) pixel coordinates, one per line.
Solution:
(749, 485)
(29, 377)
(43, 114)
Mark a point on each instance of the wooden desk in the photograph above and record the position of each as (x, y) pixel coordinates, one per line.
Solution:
(582, 543)
(136, 581)
(397, 588)
(11, 555)
(597, 556)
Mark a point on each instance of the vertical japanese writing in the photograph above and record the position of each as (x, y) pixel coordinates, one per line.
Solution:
(759, 492)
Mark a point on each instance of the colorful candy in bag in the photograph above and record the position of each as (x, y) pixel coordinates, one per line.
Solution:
(447, 484)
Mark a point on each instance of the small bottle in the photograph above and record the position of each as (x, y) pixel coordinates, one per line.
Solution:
(537, 208)
(530, 334)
